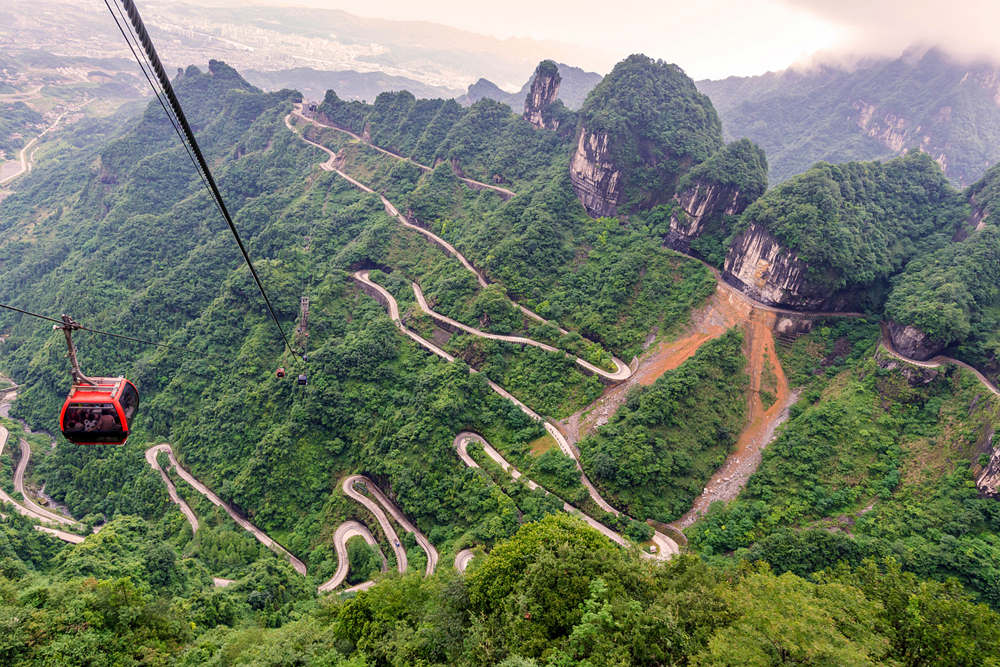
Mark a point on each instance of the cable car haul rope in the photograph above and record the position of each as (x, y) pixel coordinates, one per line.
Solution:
(99, 410)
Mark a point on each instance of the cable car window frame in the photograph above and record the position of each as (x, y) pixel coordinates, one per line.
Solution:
(129, 400)
(93, 435)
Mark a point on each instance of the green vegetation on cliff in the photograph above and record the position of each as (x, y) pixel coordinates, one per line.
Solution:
(946, 293)
(857, 224)
(658, 125)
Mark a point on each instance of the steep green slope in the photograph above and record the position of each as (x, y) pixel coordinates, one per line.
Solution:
(133, 244)
(874, 109)
(658, 451)
(878, 459)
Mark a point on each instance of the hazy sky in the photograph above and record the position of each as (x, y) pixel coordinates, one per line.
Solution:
(708, 38)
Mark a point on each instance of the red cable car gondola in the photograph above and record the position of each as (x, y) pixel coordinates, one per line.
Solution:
(98, 411)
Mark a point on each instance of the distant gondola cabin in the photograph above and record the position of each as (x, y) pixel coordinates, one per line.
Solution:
(99, 414)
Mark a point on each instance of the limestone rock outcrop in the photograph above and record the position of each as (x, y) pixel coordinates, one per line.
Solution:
(542, 94)
(698, 203)
(916, 376)
(911, 342)
(761, 267)
(595, 178)
(640, 131)
(989, 481)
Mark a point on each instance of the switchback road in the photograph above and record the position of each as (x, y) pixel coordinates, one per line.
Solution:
(261, 536)
(345, 532)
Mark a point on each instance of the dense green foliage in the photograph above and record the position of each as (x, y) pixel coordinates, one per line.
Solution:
(18, 122)
(870, 466)
(657, 124)
(655, 455)
(556, 593)
(856, 224)
(873, 109)
(945, 293)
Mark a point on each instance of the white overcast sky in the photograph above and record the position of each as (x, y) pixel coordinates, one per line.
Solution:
(708, 38)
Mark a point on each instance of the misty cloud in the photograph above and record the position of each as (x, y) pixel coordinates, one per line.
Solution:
(964, 28)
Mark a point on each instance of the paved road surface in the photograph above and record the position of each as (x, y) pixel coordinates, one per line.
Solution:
(665, 546)
(25, 158)
(44, 514)
(345, 532)
(462, 559)
(389, 302)
(936, 362)
(622, 372)
(31, 514)
(506, 193)
(397, 514)
(621, 369)
(171, 489)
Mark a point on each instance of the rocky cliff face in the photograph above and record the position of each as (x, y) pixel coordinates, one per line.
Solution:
(698, 203)
(759, 266)
(911, 342)
(596, 180)
(543, 92)
(989, 481)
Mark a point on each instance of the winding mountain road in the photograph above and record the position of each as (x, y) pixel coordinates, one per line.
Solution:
(175, 498)
(26, 158)
(665, 546)
(261, 536)
(936, 362)
(30, 511)
(38, 510)
(389, 302)
(462, 559)
(345, 532)
(476, 185)
(376, 508)
(622, 372)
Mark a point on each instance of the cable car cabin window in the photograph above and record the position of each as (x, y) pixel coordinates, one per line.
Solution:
(129, 401)
(93, 423)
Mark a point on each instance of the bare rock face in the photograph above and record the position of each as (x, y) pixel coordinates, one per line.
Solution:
(596, 180)
(989, 481)
(911, 342)
(759, 266)
(698, 203)
(543, 92)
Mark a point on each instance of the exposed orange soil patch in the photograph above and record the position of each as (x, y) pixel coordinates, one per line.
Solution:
(728, 480)
(724, 310)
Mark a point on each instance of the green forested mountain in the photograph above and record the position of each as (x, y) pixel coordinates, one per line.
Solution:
(858, 223)
(861, 539)
(873, 109)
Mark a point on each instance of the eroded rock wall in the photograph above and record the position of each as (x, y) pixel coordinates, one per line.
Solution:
(698, 203)
(759, 266)
(596, 180)
(911, 342)
(989, 481)
(543, 92)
